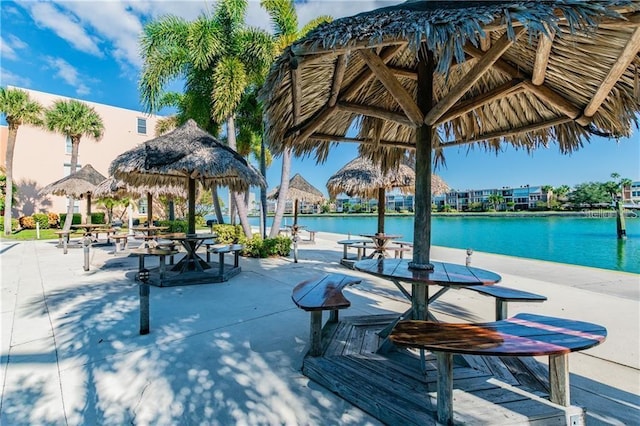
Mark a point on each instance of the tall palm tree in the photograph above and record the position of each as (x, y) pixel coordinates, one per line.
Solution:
(18, 109)
(546, 189)
(73, 119)
(216, 52)
(284, 19)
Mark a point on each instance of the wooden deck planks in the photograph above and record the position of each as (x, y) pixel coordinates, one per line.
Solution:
(394, 388)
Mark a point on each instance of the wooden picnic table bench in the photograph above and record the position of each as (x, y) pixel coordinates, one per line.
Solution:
(120, 242)
(347, 243)
(503, 295)
(322, 294)
(521, 335)
(221, 250)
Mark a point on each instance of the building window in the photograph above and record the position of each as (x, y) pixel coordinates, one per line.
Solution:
(142, 126)
(67, 168)
(68, 146)
(142, 206)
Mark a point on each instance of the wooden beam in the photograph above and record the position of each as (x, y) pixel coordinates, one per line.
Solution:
(311, 49)
(366, 75)
(331, 138)
(391, 83)
(311, 125)
(479, 69)
(624, 60)
(296, 94)
(500, 65)
(506, 133)
(485, 42)
(381, 113)
(338, 75)
(542, 58)
(509, 88)
(404, 72)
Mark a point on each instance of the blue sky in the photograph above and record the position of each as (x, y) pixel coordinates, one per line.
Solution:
(89, 50)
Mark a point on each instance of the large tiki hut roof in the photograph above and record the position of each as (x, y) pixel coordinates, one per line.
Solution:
(77, 184)
(527, 73)
(186, 152)
(299, 189)
(115, 188)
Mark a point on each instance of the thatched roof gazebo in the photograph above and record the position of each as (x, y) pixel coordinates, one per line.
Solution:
(117, 189)
(299, 190)
(361, 177)
(180, 158)
(80, 184)
(427, 75)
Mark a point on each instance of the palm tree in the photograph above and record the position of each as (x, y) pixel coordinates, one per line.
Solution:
(495, 200)
(73, 119)
(18, 109)
(285, 24)
(217, 55)
(546, 189)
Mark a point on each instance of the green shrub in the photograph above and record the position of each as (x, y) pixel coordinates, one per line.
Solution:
(41, 219)
(257, 247)
(175, 225)
(228, 234)
(15, 224)
(76, 218)
(98, 218)
(27, 222)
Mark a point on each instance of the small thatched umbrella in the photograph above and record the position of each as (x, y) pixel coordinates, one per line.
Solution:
(182, 157)
(425, 75)
(361, 177)
(115, 188)
(299, 189)
(80, 184)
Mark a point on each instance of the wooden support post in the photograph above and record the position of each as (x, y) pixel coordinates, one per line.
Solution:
(86, 242)
(143, 276)
(333, 315)
(501, 309)
(445, 387)
(621, 226)
(316, 333)
(559, 379)
(419, 301)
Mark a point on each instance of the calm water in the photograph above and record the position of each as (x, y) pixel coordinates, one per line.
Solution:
(575, 240)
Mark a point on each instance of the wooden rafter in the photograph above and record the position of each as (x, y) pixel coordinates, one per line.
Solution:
(391, 83)
(403, 72)
(628, 54)
(509, 88)
(545, 93)
(475, 73)
(338, 75)
(545, 42)
(311, 125)
(330, 138)
(375, 112)
(509, 132)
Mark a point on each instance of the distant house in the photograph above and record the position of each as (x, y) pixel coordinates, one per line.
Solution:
(42, 157)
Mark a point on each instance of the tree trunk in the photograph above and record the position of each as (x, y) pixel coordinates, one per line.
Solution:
(263, 191)
(216, 204)
(282, 193)
(8, 199)
(75, 144)
(235, 197)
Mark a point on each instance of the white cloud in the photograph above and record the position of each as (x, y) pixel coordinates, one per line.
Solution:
(69, 74)
(6, 51)
(65, 25)
(9, 78)
(17, 43)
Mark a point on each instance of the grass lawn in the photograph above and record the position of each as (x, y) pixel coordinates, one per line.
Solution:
(30, 234)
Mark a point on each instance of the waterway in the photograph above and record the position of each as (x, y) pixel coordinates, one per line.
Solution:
(575, 240)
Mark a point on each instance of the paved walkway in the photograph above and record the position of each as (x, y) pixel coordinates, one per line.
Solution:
(230, 353)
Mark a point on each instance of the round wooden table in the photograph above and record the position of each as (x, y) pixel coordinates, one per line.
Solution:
(444, 274)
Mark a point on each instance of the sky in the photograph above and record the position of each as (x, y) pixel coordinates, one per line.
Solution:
(89, 50)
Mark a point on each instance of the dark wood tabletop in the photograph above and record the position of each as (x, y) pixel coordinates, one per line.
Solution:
(522, 335)
(445, 274)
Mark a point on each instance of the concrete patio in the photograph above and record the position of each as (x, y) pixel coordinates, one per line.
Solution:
(231, 352)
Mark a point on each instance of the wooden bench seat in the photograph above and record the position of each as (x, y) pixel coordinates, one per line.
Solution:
(503, 295)
(521, 335)
(362, 249)
(322, 294)
(398, 252)
(120, 242)
(347, 243)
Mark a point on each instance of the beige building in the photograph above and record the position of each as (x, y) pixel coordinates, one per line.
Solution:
(42, 157)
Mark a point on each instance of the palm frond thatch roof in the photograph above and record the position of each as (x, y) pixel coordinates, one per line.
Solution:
(527, 73)
(299, 189)
(77, 184)
(115, 188)
(185, 152)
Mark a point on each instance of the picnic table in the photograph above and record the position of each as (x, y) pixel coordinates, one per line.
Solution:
(191, 242)
(380, 243)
